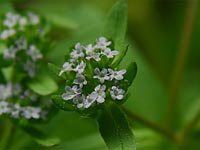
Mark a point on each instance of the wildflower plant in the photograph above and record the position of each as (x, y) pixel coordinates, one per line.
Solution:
(96, 85)
(22, 63)
(91, 78)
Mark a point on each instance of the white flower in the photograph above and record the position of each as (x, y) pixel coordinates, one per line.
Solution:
(5, 91)
(30, 95)
(109, 53)
(117, 93)
(7, 33)
(91, 98)
(71, 92)
(95, 56)
(34, 53)
(21, 43)
(79, 100)
(100, 91)
(118, 75)
(4, 107)
(97, 96)
(102, 43)
(89, 49)
(80, 67)
(16, 89)
(80, 80)
(91, 54)
(101, 75)
(77, 52)
(30, 67)
(16, 109)
(34, 19)
(66, 67)
(11, 20)
(23, 21)
(31, 112)
(10, 53)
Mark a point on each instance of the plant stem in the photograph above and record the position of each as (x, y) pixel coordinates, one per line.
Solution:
(149, 124)
(179, 66)
(8, 127)
(184, 132)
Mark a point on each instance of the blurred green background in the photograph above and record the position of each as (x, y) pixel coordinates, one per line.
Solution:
(155, 31)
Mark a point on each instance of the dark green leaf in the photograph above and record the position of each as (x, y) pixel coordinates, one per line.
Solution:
(115, 130)
(117, 23)
(2, 78)
(131, 73)
(40, 137)
(43, 84)
(61, 104)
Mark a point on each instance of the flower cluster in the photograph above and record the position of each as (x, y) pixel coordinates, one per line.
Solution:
(90, 78)
(22, 35)
(25, 106)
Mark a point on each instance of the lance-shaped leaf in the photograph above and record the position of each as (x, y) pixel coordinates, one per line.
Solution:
(43, 84)
(115, 130)
(40, 137)
(117, 23)
(130, 74)
(61, 104)
(117, 61)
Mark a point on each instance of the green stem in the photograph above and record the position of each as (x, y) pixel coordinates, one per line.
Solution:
(179, 66)
(186, 130)
(5, 138)
(149, 124)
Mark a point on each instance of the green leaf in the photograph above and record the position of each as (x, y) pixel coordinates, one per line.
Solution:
(117, 23)
(61, 21)
(40, 137)
(131, 73)
(61, 104)
(115, 130)
(43, 84)
(120, 58)
(192, 111)
(55, 69)
(2, 78)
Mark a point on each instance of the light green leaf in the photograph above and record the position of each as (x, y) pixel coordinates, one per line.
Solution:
(115, 130)
(117, 23)
(40, 137)
(43, 84)
(61, 104)
(61, 21)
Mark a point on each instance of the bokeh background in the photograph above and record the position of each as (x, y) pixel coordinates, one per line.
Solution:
(162, 40)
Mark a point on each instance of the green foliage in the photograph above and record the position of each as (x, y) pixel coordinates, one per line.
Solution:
(40, 137)
(120, 57)
(131, 73)
(115, 129)
(43, 84)
(116, 24)
(154, 32)
(59, 103)
(55, 69)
